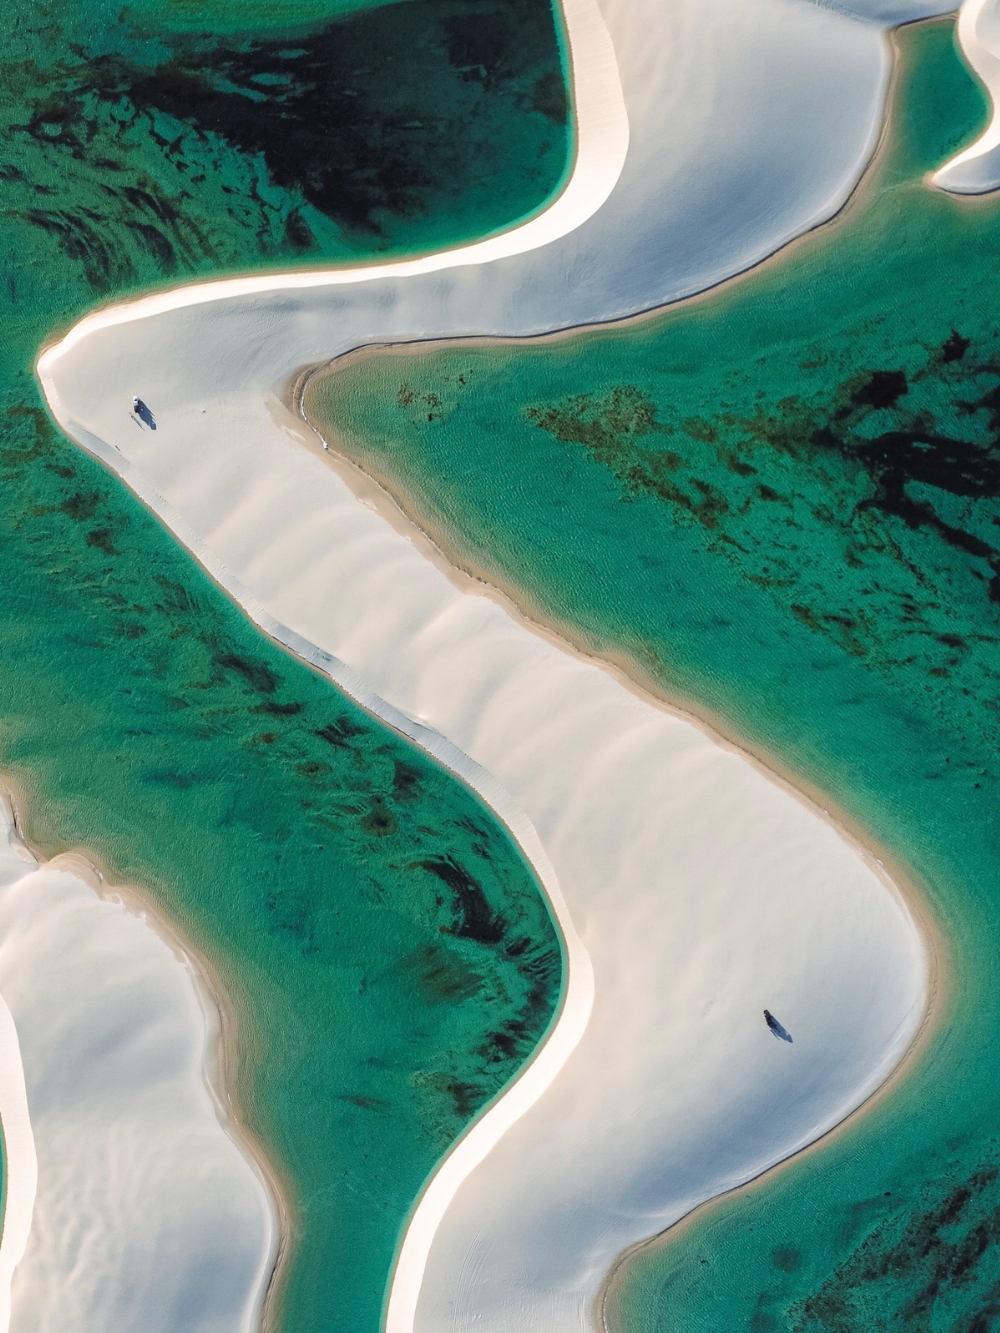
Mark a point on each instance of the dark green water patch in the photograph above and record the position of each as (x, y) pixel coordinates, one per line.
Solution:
(136, 151)
(782, 504)
(372, 124)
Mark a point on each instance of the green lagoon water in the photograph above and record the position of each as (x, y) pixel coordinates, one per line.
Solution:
(782, 504)
(387, 951)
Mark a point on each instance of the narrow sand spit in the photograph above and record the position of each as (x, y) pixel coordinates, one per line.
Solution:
(695, 889)
(149, 1217)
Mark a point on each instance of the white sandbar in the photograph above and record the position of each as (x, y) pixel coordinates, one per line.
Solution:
(148, 1217)
(693, 890)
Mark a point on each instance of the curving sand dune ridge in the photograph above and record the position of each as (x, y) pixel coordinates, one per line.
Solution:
(699, 888)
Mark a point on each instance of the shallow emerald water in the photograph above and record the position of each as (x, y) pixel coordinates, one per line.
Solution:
(783, 503)
(387, 951)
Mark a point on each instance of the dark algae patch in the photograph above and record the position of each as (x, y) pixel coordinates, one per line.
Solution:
(137, 153)
(380, 1004)
(781, 502)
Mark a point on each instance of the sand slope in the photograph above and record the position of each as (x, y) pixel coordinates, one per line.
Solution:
(20, 1160)
(148, 1218)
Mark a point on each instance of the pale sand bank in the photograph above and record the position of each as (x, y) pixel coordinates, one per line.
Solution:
(374, 494)
(976, 170)
(697, 888)
(149, 1216)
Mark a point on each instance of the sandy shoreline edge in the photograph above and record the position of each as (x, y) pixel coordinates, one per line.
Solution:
(376, 493)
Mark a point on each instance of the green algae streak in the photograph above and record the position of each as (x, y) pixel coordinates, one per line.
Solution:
(780, 503)
(388, 955)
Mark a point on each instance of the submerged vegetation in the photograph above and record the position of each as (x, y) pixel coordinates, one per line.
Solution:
(850, 472)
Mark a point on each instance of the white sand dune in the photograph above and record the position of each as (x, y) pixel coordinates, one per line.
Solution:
(695, 891)
(20, 1167)
(976, 170)
(148, 1218)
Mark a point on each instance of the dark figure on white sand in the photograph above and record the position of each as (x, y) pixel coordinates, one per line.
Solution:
(776, 1027)
(143, 413)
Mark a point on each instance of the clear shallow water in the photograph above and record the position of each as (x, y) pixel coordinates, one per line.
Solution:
(387, 951)
(781, 503)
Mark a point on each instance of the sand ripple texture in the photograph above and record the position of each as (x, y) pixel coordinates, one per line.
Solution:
(148, 1218)
(695, 890)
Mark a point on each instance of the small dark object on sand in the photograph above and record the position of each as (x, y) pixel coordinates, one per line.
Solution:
(776, 1027)
(143, 413)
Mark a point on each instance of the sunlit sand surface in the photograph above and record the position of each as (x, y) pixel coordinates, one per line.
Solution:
(148, 1217)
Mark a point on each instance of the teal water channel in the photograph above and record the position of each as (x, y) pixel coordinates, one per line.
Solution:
(386, 950)
(781, 504)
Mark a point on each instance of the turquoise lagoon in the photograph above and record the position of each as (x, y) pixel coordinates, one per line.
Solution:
(780, 504)
(387, 952)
